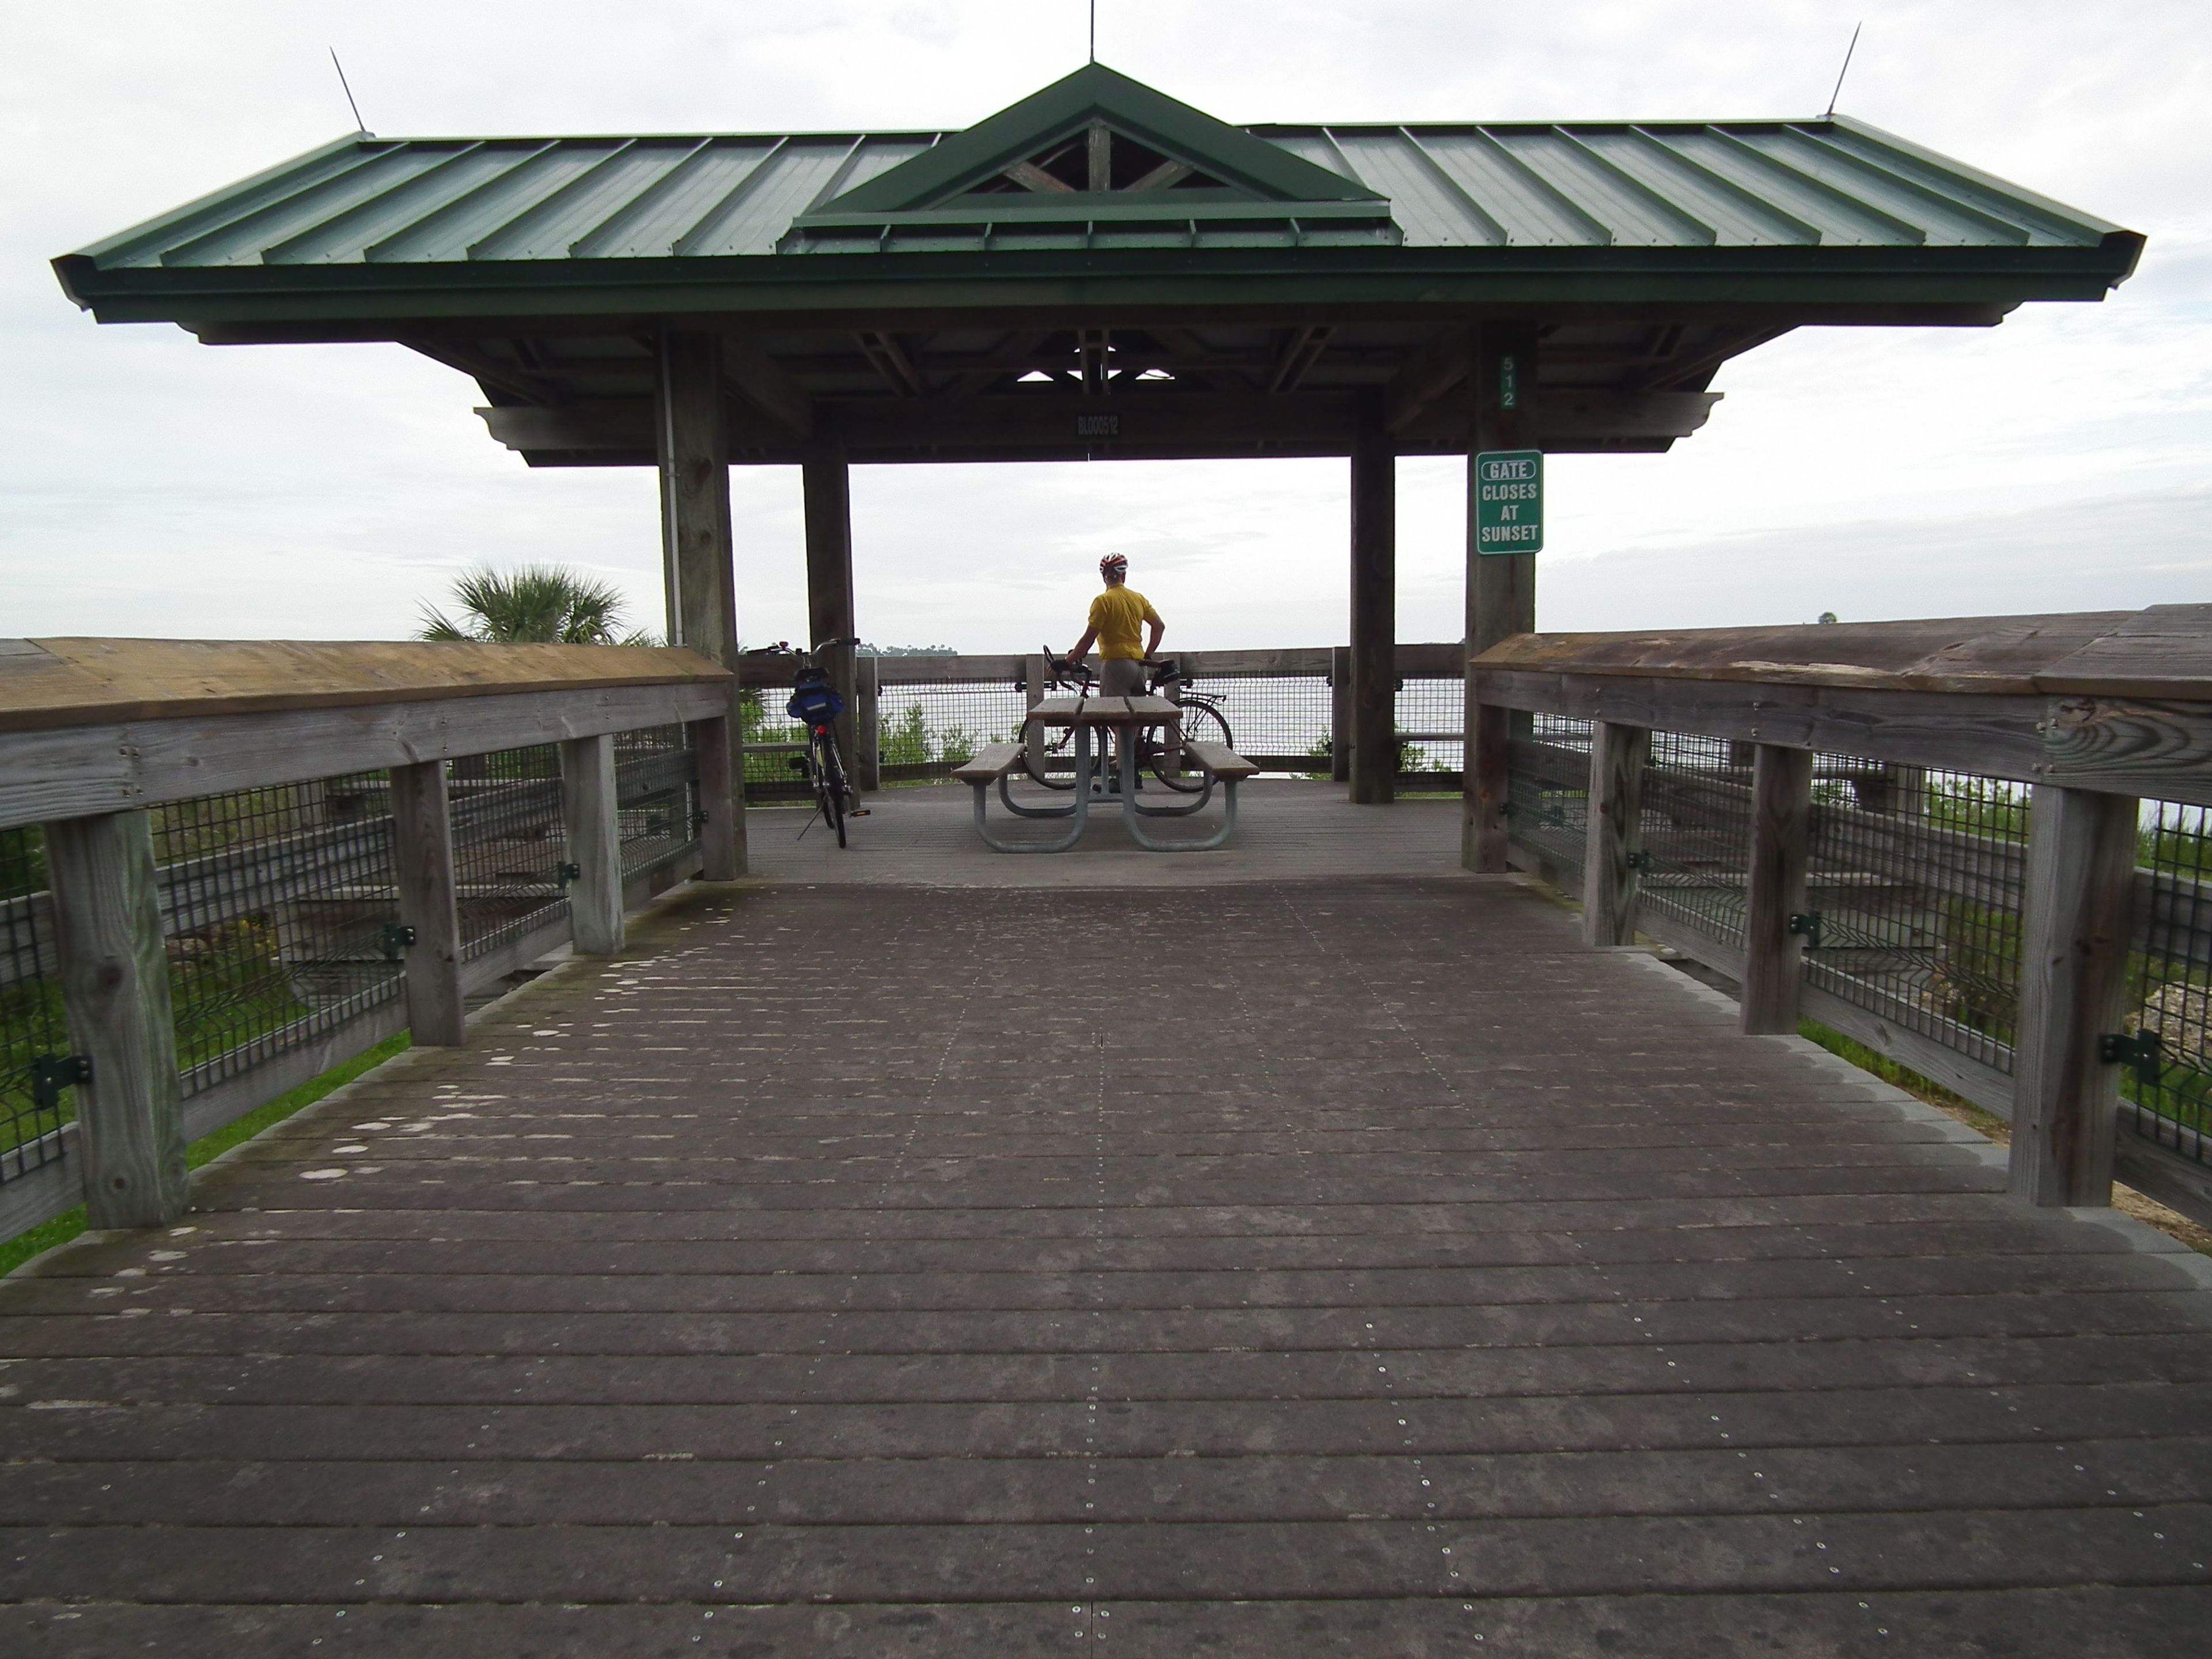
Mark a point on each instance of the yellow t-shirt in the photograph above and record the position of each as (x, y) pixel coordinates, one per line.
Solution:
(1119, 615)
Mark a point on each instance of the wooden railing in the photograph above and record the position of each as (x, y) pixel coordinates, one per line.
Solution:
(1256, 683)
(1731, 792)
(374, 793)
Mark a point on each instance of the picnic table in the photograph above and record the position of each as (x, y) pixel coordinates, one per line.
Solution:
(1093, 719)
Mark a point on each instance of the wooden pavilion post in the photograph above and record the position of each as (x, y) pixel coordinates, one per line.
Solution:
(828, 494)
(2073, 992)
(115, 994)
(1780, 854)
(1501, 588)
(1374, 610)
(695, 564)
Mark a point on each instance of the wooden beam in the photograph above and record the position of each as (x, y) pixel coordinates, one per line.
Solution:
(1339, 713)
(1485, 829)
(1501, 589)
(1165, 176)
(423, 859)
(487, 371)
(1426, 376)
(588, 797)
(695, 519)
(1100, 154)
(2072, 965)
(1374, 613)
(1030, 176)
(721, 800)
(1614, 832)
(115, 995)
(1780, 850)
(826, 488)
(1300, 353)
(889, 359)
(77, 770)
(765, 384)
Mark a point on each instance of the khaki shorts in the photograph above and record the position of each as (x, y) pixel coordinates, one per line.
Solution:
(1118, 676)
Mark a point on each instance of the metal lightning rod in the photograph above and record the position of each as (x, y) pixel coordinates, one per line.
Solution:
(360, 126)
(1840, 73)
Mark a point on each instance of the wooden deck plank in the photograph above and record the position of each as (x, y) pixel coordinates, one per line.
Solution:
(979, 1314)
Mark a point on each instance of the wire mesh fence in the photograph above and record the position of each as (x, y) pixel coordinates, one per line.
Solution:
(509, 845)
(31, 1027)
(1915, 883)
(2168, 1087)
(277, 905)
(1547, 792)
(1697, 829)
(925, 730)
(656, 796)
(1916, 895)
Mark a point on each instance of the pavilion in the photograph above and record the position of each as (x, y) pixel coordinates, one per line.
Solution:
(1098, 272)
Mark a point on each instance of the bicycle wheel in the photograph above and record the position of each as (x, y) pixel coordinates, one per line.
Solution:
(1201, 722)
(1045, 775)
(829, 783)
(840, 787)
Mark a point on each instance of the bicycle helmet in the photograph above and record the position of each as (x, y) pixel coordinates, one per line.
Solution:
(1114, 564)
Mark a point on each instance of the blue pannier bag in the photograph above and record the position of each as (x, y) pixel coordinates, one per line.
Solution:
(813, 702)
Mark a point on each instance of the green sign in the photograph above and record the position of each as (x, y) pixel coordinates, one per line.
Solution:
(1509, 502)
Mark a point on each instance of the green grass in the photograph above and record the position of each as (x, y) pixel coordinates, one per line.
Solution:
(1891, 1072)
(62, 1228)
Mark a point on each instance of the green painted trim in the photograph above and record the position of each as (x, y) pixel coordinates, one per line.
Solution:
(1174, 207)
(1063, 109)
(1242, 279)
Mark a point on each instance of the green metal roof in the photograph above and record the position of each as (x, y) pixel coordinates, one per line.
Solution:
(1825, 212)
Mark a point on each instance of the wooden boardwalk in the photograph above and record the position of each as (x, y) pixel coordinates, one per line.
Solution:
(1348, 1266)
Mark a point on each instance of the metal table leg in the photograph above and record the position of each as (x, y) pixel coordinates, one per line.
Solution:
(1133, 816)
(1080, 814)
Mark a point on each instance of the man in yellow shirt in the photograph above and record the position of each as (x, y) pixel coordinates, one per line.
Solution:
(1115, 617)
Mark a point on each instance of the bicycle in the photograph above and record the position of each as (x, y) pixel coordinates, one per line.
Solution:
(814, 703)
(1202, 719)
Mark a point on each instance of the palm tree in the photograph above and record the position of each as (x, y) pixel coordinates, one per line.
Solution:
(536, 603)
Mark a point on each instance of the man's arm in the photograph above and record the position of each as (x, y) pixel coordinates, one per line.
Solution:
(1157, 628)
(1083, 645)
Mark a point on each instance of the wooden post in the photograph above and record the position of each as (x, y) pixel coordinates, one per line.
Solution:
(1374, 610)
(1501, 588)
(695, 526)
(115, 992)
(423, 856)
(1781, 845)
(1339, 713)
(589, 814)
(1615, 832)
(867, 725)
(1035, 738)
(827, 487)
(721, 806)
(1486, 837)
(2073, 965)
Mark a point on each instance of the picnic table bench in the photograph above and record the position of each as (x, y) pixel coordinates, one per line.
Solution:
(996, 763)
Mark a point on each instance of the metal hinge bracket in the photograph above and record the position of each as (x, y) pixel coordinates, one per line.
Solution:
(565, 873)
(2142, 1051)
(1640, 859)
(1808, 923)
(51, 1074)
(394, 938)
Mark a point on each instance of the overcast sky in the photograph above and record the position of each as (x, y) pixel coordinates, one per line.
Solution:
(151, 485)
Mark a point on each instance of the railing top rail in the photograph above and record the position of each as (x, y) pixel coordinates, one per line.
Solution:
(47, 685)
(1439, 660)
(2164, 652)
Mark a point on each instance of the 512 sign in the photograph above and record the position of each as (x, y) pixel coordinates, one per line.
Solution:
(1508, 501)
